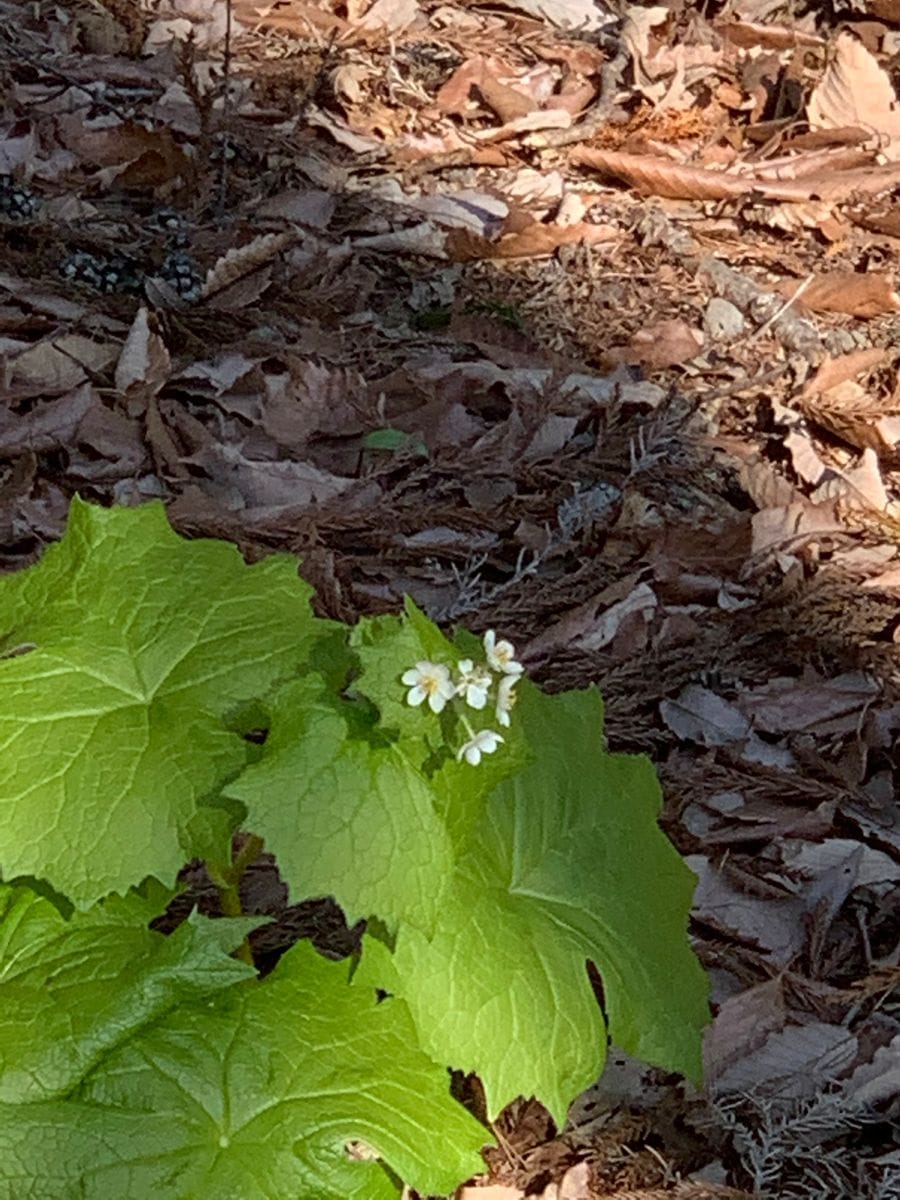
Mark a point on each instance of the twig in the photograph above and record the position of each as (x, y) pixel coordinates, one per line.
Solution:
(596, 117)
(779, 313)
(226, 114)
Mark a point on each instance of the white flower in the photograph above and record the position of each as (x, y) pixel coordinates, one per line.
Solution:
(501, 655)
(506, 698)
(484, 742)
(431, 681)
(474, 683)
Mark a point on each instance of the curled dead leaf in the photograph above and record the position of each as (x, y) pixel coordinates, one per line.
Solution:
(242, 261)
(852, 292)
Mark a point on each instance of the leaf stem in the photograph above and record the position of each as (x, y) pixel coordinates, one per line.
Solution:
(228, 880)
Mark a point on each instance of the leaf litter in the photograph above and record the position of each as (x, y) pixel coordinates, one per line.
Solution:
(570, 321)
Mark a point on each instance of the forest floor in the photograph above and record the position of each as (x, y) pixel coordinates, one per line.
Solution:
(570, 322)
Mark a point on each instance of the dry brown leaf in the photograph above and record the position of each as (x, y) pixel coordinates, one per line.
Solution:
(775, 925)
(661, 177)
(532, 122)
(799, 1061)
(791, 705)
(804, 458)
(877, 216)
(575, 96)
(666, 344)
(297, 19)
(766, 486)
(535, 241)
(856, 417)
(453, 96)
(813, 162)
(700, 715)
(834, 371)
(312, 207)
(885, 10)
(538, 240)
(576, 1183)
(748, 34)
(130, 154)
(111, 436)
(741, 1026)
(507, 102)
(855, 90)
(888, 581)
(858, 294)
(684, 1190)
(47, 426)
(166, 453)
(54, 366)
(787, 528)
(597, 622)
(239, 482)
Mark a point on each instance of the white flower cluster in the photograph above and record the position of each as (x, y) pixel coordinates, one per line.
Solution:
(476, 684)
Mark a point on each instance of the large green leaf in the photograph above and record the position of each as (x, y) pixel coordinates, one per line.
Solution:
(568, 866)
(345, 817)
(71, 990)
(255, 1095)
(126, 649)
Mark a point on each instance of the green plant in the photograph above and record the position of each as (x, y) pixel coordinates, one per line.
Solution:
(134, 666)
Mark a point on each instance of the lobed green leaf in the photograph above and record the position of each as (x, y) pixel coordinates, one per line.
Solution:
(113, 728)
(257, 1094)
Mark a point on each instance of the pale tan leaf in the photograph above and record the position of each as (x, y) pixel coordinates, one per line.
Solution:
(789, 527)
(144, 363)
(855, 90)
(799, 166)
(860, 487)
(491, 1191)
(576, 1183)
(887, 581)
(298, 19)
(389, 16)
(765, 485)
(804, 459)
(60, 364)
(244, 260)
